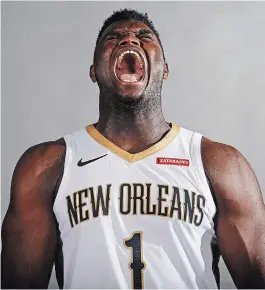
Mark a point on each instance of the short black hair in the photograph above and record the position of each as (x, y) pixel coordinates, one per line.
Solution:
(126, 14)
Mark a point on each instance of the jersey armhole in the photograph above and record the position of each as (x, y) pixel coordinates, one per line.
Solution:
(69, 155)
(199, 173)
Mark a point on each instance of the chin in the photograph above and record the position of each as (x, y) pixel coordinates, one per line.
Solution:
(127, 93)
(129, 99)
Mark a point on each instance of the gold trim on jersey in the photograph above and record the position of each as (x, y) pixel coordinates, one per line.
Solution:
(97, 136)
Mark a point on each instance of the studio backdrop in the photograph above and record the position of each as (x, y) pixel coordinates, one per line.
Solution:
(216, 85)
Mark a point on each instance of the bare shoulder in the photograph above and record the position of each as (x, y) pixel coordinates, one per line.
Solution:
(42, 157)
(229, 173)
(215, 151)
(39, 168)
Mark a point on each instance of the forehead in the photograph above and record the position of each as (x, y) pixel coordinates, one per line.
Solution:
(124, 26)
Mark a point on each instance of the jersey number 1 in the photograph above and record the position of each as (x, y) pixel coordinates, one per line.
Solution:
(136, 264)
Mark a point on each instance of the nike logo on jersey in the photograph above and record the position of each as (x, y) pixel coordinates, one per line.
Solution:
(81, 163)
(172, 161)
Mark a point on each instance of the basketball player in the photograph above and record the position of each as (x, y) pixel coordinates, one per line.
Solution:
(132, 201)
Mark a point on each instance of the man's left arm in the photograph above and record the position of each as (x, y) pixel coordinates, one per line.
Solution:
(240, 225)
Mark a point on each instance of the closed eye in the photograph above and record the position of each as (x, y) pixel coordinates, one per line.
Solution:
(112, 36)
(149, 37)
(145, 34)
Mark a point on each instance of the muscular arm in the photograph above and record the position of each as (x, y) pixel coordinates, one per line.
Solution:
(241, 213)
(29, 230)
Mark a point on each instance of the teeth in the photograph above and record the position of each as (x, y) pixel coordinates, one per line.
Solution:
(132, 52)
(129, 78)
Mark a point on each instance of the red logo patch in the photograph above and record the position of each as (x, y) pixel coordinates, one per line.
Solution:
(172, 161)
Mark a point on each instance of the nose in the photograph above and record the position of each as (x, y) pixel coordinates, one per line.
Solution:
(129, 40)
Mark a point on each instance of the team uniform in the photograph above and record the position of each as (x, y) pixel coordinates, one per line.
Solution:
(136, 221)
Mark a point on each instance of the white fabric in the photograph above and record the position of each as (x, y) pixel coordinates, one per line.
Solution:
(177, 254)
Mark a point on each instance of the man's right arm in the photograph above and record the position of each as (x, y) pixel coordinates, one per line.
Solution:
(29, 230)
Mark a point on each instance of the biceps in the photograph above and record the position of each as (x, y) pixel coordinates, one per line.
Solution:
(241, 240)
(28, 244)
(233, 237)
(29, 236)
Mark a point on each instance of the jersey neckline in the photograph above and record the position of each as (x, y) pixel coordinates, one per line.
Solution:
(132, 157)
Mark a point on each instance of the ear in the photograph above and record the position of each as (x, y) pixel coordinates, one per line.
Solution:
(166, 71)
(92, 74)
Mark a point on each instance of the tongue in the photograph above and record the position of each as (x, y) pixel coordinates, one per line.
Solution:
(130, 78)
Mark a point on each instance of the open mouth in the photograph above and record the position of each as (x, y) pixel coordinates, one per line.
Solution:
(129, 67)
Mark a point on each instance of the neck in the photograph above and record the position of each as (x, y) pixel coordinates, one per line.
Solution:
(133, 127)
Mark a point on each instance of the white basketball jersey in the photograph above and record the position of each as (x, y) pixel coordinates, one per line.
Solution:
(135, 221)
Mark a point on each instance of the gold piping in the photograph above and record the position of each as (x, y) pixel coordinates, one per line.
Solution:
(97, 136)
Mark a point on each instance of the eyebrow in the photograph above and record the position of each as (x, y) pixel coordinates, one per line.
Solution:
(112, 34)
(139, 32)
(143, 31)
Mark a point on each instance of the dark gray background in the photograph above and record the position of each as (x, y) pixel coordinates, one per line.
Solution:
(216, 84)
